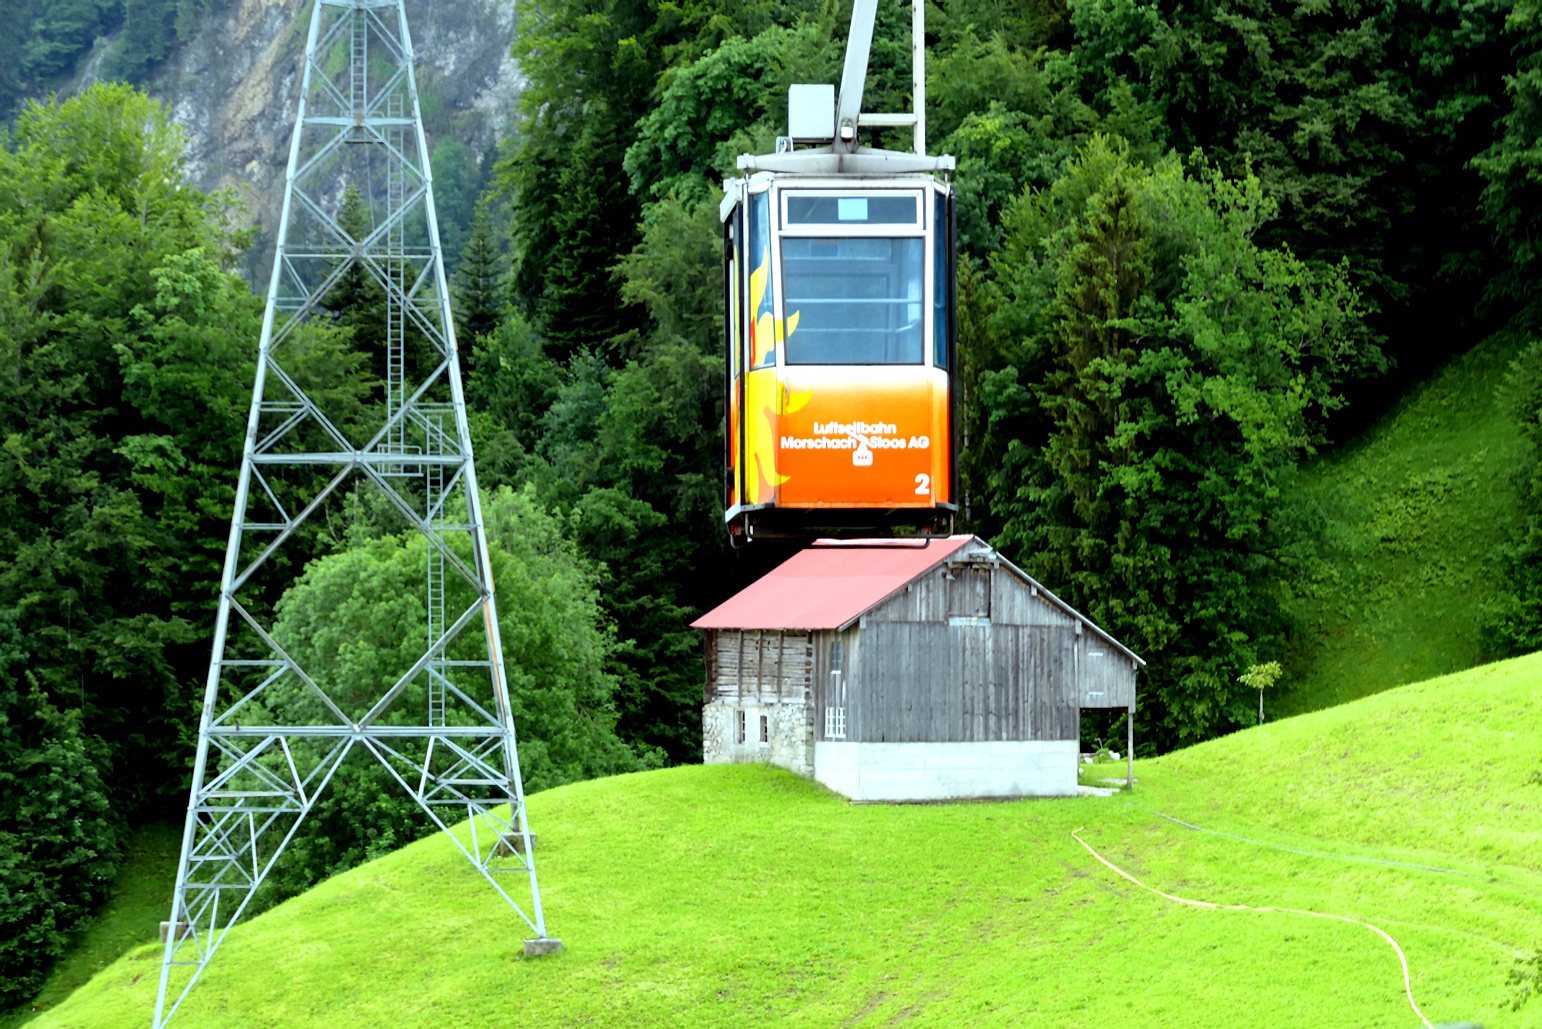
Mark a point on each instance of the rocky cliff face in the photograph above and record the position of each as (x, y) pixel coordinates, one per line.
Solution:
(234, 85)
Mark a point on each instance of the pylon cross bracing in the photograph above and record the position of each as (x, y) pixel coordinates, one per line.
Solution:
(364, 405)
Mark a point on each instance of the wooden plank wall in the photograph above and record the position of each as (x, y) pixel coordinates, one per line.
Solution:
(1014, 602)
(924, 681)
(970, 652)
(925, 600)
(760, 666)
(969, 590)
(1106, 677)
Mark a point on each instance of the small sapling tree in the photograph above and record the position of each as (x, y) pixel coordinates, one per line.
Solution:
(1260, 678)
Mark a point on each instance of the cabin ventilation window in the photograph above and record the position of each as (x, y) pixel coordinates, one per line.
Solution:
(765, 730)
(835, 710)
(739, 728)
(899, 209)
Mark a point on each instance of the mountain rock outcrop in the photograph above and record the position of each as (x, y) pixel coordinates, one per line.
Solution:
(234, 84)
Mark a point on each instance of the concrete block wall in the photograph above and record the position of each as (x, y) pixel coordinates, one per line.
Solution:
(899, 772)
(790, 728)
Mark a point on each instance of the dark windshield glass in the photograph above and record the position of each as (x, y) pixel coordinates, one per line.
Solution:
(857, 301)
(941, 231)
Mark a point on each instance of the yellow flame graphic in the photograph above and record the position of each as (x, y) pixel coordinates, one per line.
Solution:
(764, 397)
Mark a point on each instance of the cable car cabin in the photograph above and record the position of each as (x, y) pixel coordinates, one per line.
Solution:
(839, 318)
(840, 353)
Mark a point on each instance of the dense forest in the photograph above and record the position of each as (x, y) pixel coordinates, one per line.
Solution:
(1201, 242)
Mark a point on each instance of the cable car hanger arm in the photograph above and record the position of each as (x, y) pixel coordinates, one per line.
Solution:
(842, 152)
(859, 46)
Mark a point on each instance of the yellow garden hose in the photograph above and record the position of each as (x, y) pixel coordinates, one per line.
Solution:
(1407, 986)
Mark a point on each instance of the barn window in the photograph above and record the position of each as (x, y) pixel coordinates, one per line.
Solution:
(765, 729)
(969, 594)
(739, 729)
(835, 710)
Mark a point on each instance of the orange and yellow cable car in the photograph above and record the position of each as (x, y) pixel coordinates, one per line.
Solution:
(840, 325)
(840, 354)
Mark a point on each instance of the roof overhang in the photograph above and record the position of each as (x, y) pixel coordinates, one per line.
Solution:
(790, 598)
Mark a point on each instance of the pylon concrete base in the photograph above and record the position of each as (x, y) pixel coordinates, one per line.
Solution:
(539, 948)
(184, 928)
(515, 842)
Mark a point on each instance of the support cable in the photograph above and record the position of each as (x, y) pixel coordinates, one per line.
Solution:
(1308, 853)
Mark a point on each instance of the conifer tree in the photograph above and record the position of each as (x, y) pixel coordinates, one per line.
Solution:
(478, 288)
(1172, 371)
(1512, 167)
(358, 302)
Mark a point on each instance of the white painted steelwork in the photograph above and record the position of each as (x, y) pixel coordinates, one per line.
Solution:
(443, 729)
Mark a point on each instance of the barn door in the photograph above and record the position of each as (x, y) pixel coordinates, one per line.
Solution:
(1057, 713)
(905, 686)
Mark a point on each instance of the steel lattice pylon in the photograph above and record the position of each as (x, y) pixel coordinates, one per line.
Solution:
(358, 222)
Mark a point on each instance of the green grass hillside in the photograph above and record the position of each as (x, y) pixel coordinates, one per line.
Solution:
(730, 896)
(1412, 513)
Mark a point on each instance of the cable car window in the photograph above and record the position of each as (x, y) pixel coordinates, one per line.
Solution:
(762, 317)
(868, 210)
(941, 245)
(857, 300)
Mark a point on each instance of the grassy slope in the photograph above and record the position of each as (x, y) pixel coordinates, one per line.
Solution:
(1413, 511)
(141, 897)
(725, 896)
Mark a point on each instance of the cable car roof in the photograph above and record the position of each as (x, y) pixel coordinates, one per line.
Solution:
(865, 162)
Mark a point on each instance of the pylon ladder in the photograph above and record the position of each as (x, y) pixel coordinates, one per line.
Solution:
(273, 732)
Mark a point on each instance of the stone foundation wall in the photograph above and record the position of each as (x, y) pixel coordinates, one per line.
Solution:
(790, 729)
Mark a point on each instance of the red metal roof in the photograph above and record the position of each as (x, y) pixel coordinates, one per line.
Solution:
(829, 585)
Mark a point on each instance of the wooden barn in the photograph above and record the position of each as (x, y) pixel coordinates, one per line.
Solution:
(898, 670)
